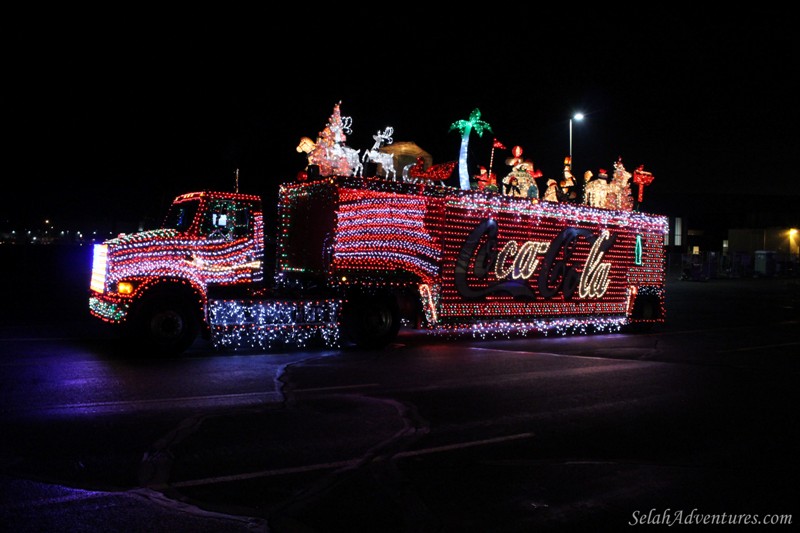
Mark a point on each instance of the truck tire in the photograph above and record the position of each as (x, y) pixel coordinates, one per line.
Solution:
(645, 311)
(372, 320)
(166, 325)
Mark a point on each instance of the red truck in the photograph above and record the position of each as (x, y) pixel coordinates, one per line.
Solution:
(357, 257)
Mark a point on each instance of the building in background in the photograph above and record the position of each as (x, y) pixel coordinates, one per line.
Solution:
(730, 236)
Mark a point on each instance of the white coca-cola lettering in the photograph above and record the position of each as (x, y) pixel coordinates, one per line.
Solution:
(524, 261)
(594, 280)
(515, 263)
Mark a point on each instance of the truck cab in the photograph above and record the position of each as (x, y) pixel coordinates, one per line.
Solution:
(156, 282)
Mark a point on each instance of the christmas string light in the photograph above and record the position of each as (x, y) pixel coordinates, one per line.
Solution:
(269, 324)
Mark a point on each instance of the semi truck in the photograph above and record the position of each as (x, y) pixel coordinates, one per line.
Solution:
(356, 258)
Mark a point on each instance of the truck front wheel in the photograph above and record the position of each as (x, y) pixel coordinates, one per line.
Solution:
(166, 326)
(372, 320)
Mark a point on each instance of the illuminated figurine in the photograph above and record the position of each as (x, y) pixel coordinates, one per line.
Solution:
(486, 180)
(306, 146)
(619, 190)
(596, 189)
(511, 186)
(436, 174)
(526, 180)
(385, 161)
(642, 178)
(524, 176)
(550, 193)
(566, 186)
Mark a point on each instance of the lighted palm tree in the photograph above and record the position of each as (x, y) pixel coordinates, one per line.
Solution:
(465, 127)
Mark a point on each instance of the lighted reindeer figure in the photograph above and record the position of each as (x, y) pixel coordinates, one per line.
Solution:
(354, 160)
(351, 154)
(383, 137)
(386, 161)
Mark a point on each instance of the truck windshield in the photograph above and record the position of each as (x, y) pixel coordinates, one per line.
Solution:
(181, 215)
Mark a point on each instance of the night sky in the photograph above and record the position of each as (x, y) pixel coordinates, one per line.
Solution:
(108, 120)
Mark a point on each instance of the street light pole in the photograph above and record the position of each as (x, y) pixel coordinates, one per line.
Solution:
(579, 185)
(576, 116)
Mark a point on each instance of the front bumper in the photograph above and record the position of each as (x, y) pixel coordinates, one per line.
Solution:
(109, 309)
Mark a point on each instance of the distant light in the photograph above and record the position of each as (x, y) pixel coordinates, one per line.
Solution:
(578, 116)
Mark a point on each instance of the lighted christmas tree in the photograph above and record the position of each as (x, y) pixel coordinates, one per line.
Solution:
(329, 153)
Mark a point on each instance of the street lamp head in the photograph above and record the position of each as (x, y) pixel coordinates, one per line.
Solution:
(578, 116)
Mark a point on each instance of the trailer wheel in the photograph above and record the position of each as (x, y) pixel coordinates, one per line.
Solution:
(372, 320)
(166, 325)
(645, 311)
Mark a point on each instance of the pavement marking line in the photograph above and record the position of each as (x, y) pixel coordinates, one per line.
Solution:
(572, 356)
(338, 464)
(39, 339)
(340, 387)
(751, 348)
(261, 473)
(259, 397)
(462, 445)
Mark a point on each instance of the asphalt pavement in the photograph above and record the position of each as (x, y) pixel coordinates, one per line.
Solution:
(37, 507)
(28, 505)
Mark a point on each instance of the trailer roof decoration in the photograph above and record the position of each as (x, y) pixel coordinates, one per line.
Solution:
(465, 128)
(329, 152)
(619, 190)
(642, 178)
